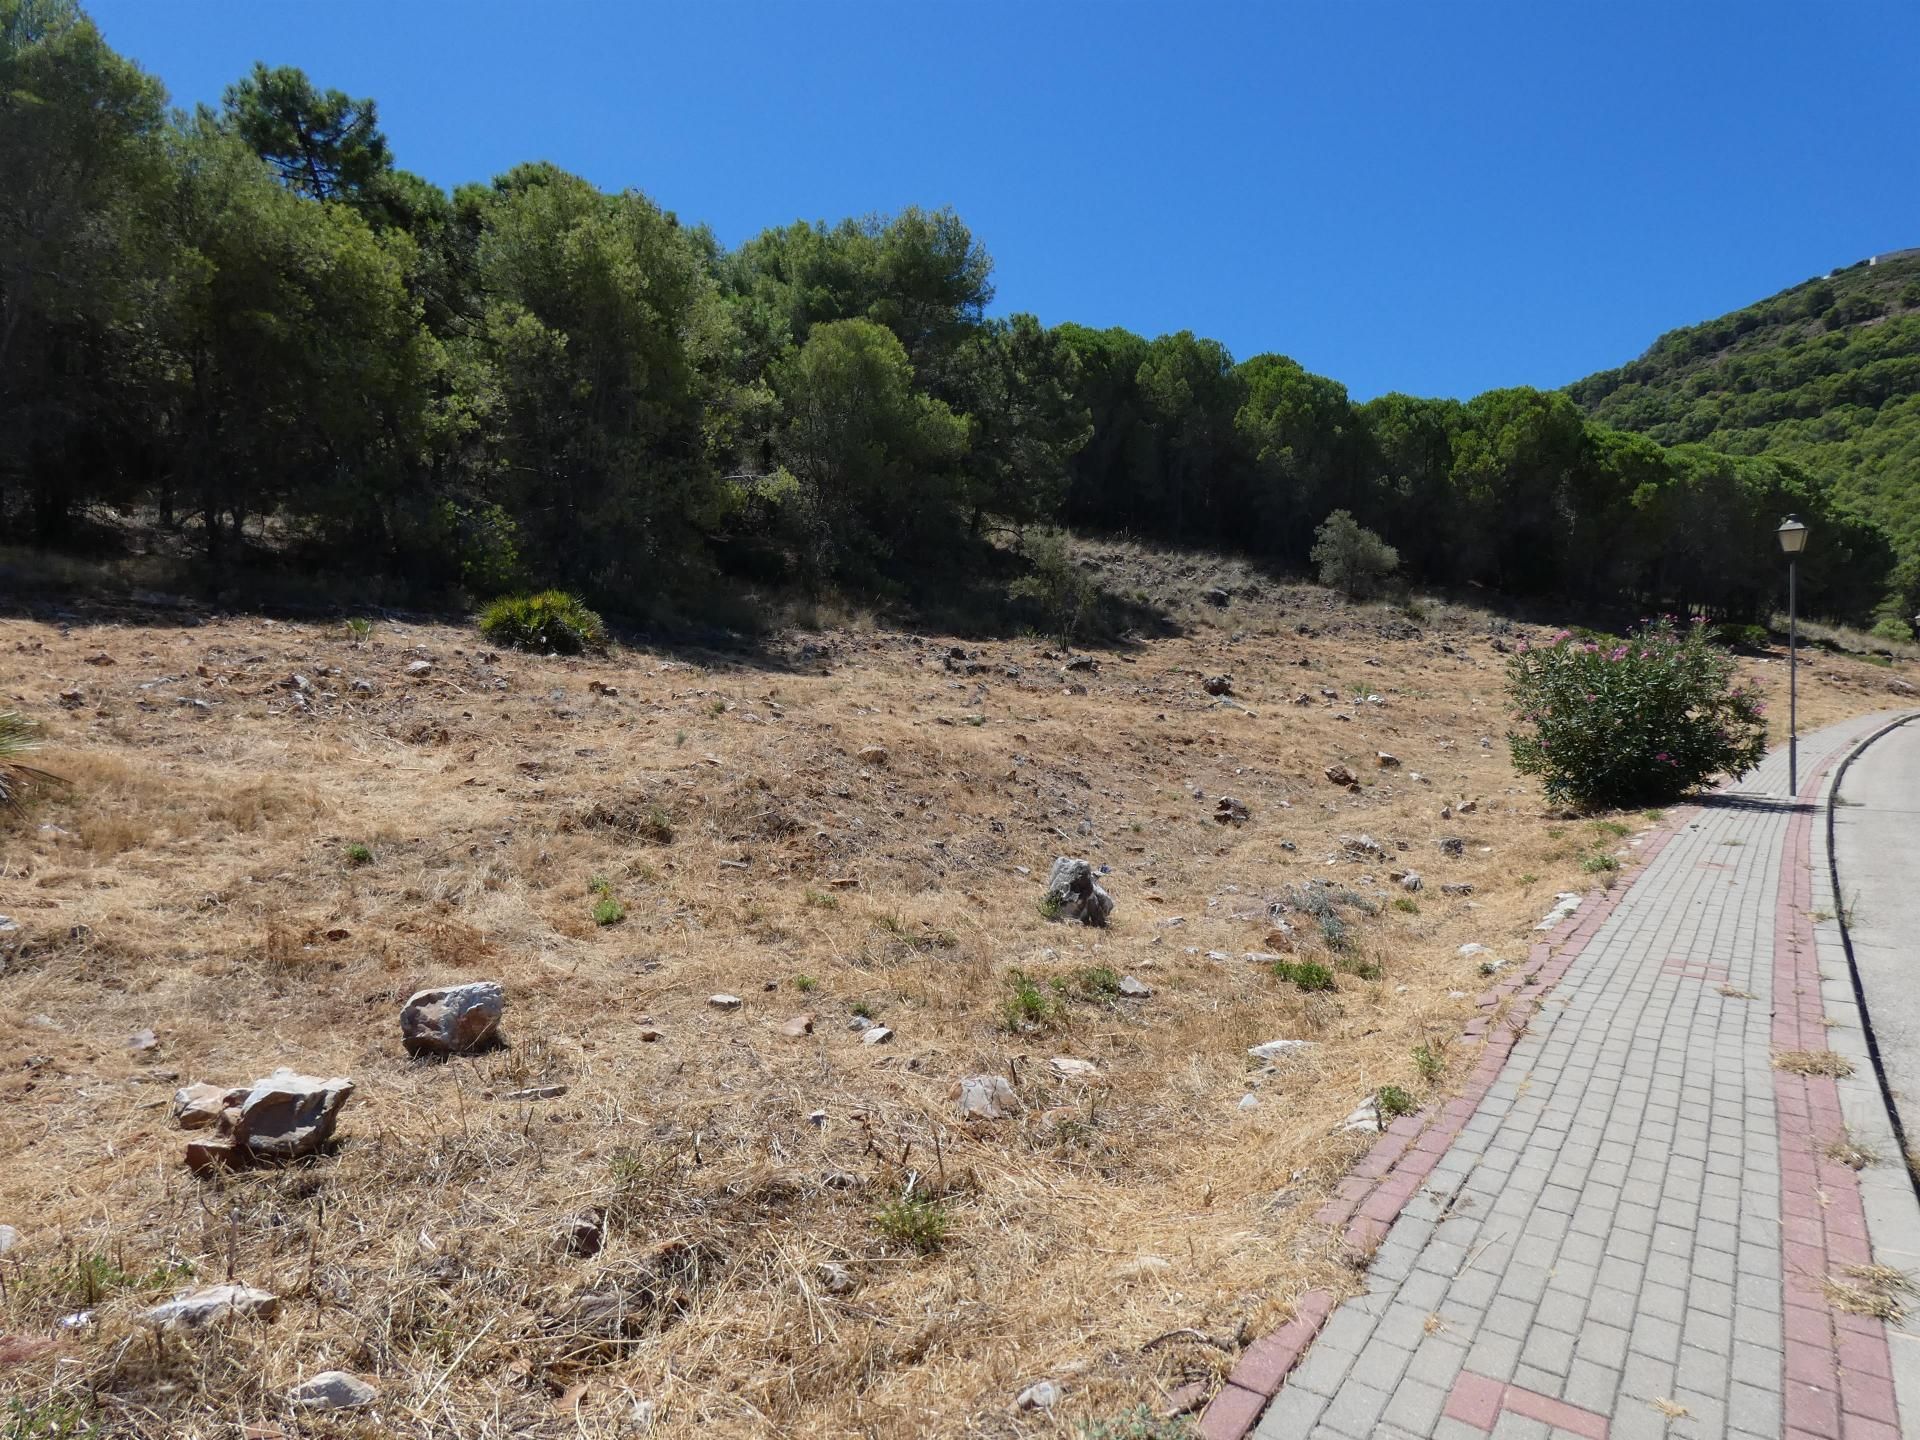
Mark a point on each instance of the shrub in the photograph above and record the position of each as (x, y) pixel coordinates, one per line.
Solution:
(552, 620)
(1056, 586)
(1640, 724)
(608, 911)
(1394, 1102)
(1097, 982)
(17, 738)
(1028, 1006)
(1139, 1423)
(1430, 1060)
(358, 855)
(1350, 557)
(1309, 975)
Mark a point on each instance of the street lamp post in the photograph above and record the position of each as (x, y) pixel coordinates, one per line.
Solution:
(1793, 539)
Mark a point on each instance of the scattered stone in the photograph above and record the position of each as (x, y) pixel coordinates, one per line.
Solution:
(1452, 845)
(143, 1040)
(817, 1118)
(1083, 664)
(1418, 778)
(876, 1035)
(798, 1026)
(195, 1309)
(986, 1097)
(1386, 761)
(420, 669)
(1072, 893)
(536, 1092)
(647, 1034)
(1249, 1102)
(9, 1238)
(1216, 597)
(1217, 685)
(1565, 903)
(1365, 1117)
(1410, 881)
(1134, 989)
(724, 1002)
(1274, 1050)
(332, 1390)
(1043, 1395)
(361, 687)
(101, 659)
(1341, 775)
(1460, 891)
(1066, 1067)
(1228, 811)
(1467, 807)
(72, 699)
(1468, 951)
(834, 1279)
(286, 1116)
(453, 1019)
(582, 1234)
(1360, 844)
(873, 755)
(199, 1105)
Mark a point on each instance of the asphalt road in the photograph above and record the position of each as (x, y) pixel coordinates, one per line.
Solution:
(1877, 843)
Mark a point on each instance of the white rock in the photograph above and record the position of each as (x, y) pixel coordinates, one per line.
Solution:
(1365, 1116)
(1411, 880)
(876, 1035)
(1456, 995)
(1068, 1068)
(724, 1002)
(835, 1279)
(452, 1019)
(1043, 1395)
(1249, 1102)
(9, 1237)
(420, 669)
(1467, 952)
(1074, 894)
(332, 1390)
(1276, 1049)
(986, 1097)
(192, 1309)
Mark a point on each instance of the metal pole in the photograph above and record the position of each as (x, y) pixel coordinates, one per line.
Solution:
(1793, 678)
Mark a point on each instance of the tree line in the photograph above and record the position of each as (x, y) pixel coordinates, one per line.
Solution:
(247, 323)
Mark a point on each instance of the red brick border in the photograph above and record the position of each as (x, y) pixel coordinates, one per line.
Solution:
(1478, 1400)
(1374, 1192)
(1823, 1223)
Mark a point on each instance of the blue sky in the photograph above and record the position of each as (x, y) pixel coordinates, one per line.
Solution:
(1437, 198)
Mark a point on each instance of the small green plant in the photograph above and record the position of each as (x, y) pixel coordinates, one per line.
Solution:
(679, 738)
(18, 736)
(1611, 829)
(1334, 931)
(1529, 880)
(1429, 1060)
(48, 1420)
(862, 1008)
(805, 984)
(1641, 722)
(1600, 864)
(551, 621)
(1050, 905)
(976, 720)
(1365, 969)
(1395, 1102)
(606, 910)
(1097, 982)
(716, 708)
(1351, 558)
(1055, 586)
(1308, 975)
(359, 629)
(1029, 1005)
(358, 855)
(1406, 906)
(820, 900)
(656, 825)
(1653, 817)
(919, 1225)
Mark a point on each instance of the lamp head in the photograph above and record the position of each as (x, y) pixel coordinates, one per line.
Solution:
(1793, 535)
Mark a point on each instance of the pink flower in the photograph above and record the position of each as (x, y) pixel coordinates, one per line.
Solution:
(1619, 654)
(1563, 635)
(1663, 756)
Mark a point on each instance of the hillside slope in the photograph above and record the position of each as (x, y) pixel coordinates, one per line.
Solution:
(1826, 373)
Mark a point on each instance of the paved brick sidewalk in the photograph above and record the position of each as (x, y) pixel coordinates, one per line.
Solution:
(1630, 1233)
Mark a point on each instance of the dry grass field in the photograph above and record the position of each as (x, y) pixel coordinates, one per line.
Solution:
(801, 1234)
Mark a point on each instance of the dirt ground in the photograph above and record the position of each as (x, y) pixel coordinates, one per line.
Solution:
(773, 1205)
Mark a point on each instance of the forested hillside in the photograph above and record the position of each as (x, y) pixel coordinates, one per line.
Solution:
(251, 332)
(1826, 374)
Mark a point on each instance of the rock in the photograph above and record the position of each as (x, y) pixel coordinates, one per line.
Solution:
(1452, 845)
(858, 1023)
(581, 1234)
(1410, 881)
(1565, 903)
(101, 659)
(798, 1026)
(724, 1002)
(1386, 761)
(1303, 698)
(1486, 742)
(1216, 597)
(1249, 1102)
(1902, 687)
(72, 699)
(288, 1115)
(1083, 664)
(9, 925)
(647, 1034)
(332, 1390)
(1341, 775)
(1360, 845)
(1467, 807)
(194, 1309)
(9, 1238)
(1418, 778)
(361, 687)
(1042, 1395)
(1228, 811)
(199, 1105)
(986, 1097)
(1134, 989)
(877, 1035)
(1217, 685)
(142, 1040)
(873, 755)
(1073, 894)
(1066, 1067)
(817, 1118)
(1471, 949)
(1185, 1399)
(1279, 1049)
(536, 1092)
(834, 1279)
(453, 1019)
(420, 669)
(1365, 1117)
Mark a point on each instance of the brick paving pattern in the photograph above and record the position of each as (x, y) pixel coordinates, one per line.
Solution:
(1623, 1227)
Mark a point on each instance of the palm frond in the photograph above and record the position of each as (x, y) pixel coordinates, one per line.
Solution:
(18, 736)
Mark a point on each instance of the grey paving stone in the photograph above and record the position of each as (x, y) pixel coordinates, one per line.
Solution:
(1355, 1409)
(1415, 1406)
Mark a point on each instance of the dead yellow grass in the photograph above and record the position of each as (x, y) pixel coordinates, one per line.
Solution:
(1812, 1062)
(197, 879)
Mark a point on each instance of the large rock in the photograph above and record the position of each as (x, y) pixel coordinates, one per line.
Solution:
(1073, 894)
(193, 1309)
(986, 1097)
(286, 1116)
(199, 1105)
(453, 1019)
(332, 1390)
